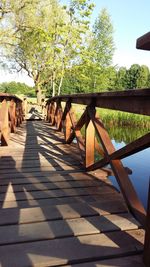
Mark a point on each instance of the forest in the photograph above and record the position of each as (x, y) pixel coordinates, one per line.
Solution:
(61, 49)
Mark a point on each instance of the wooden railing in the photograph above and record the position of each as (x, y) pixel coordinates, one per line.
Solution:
(11, 116)
(147, 235)
(97, 138)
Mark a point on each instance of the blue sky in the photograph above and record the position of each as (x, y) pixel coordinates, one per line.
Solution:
(130, 19)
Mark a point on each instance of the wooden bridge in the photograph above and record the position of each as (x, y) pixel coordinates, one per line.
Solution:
(58, 207)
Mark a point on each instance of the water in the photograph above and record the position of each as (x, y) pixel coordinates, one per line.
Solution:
(139, 163)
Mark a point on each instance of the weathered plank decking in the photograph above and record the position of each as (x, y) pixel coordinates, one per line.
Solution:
(54, 214)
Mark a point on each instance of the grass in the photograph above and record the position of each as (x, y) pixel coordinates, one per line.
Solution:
(117, 118)
(120, 118)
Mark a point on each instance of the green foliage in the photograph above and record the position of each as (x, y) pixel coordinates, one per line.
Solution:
(17, 88)
(93, 72)
(132, 76)
(57, 48)
(135, 77)
(121, 79)
(47, 37)
(143, 77)
(119, 118)
(103, 44)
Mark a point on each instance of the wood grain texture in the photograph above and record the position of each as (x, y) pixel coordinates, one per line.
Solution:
(53, 213)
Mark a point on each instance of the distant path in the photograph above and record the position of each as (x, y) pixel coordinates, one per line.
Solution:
(34, 112)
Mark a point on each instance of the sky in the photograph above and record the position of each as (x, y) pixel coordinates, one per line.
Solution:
(130, 19)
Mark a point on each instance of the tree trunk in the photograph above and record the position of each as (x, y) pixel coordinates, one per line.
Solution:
(38, 95)
(60, 85)
(61, 79)
(53, 83)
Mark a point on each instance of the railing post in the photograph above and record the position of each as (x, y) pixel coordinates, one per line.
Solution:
(25, 108)
(59, 116)
(146, 256)
(89, 142)
(12, 114)
(4, 123)
(21, 112)
(68, 124)
(52, 120)
(17, 114)
(48, 107)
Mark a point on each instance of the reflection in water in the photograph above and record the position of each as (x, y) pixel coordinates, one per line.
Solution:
(125, 134)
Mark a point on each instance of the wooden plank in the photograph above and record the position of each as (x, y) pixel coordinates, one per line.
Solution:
(38, 173)
(50, 168)
(55, 193)
(48, 186)
(44, 201)
(63, 211)
(109, 203)
(44, 213)
(66, 228)
(29, 178)
(35, 157)
(11, 164)
(130, 261)
(72, 250)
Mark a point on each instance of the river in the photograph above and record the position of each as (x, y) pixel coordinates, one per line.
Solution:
(139, 163)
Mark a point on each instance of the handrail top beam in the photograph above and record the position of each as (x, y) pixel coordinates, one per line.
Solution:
(9, 97)
(133, 101)
(129, 93)
(143, 42)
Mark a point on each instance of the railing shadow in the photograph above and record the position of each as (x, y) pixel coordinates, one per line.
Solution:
(17, 177)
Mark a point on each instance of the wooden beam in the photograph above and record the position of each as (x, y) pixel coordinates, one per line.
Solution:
(147, 235)
(138, 100)
(89, 143)
(58, 115)
(99, 148)
(130, 149)
(12, 115)
(78, 135)
(77, 126)
(53, 108)
(68, 127)
(5, 130)
(123, 180)
(143, 42)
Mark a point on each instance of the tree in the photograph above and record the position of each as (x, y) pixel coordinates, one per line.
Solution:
(121, 82)
(17, 88)
(99, 52)
(103, 44)
(132, 76)
(44, 47)
(143, 76)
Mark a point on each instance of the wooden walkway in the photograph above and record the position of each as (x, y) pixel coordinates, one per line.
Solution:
(54, 214)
